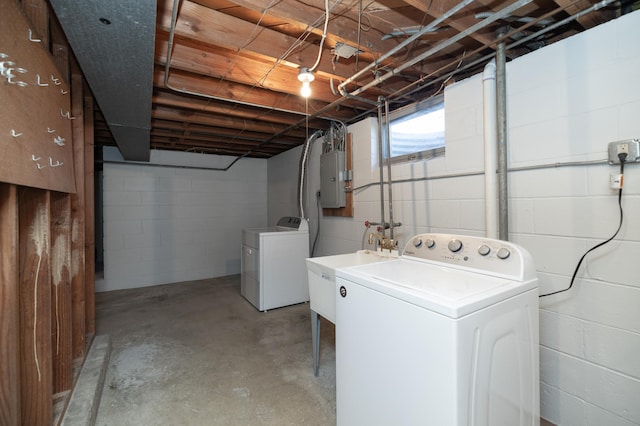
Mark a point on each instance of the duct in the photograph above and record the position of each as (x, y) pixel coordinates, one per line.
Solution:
(501, 106)
(490, 150)
(114, 45)
(498, 15)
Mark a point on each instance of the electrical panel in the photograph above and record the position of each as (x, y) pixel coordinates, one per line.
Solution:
(332, 179)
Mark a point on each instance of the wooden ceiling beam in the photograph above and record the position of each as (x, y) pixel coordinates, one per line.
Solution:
(589, 20)
(204, 25)
(209, 140)
(308, 17)
(224, 65)
(164, 98)
(221, 121)
(218, 148)
(238, 94)
(461, 21)
(203, 130)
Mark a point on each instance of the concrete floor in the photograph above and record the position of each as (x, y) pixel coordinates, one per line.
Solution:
(197, 353)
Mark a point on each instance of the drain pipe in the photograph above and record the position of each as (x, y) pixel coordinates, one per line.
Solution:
(490, 150)
(501, 105)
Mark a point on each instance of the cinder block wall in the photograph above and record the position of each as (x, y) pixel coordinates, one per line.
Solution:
(170, 224)
(566, 102)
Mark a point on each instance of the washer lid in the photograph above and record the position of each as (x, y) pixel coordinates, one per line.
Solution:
(448, 291)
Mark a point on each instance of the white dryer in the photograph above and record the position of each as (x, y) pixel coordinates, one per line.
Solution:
(274, 272)
(447, 334)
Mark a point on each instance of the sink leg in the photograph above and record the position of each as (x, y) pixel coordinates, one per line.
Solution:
(315, 337)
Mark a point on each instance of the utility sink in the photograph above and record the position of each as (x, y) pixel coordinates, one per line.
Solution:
(322, 277)
(321, 273)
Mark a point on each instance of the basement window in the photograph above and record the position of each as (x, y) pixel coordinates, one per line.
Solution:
(417, 131)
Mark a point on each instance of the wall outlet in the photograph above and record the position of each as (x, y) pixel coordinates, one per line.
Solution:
(615, 180)
(631, 147)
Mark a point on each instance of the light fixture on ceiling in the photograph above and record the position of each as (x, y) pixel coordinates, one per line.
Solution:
(305, 75)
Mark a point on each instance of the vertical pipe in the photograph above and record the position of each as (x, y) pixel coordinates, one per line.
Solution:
(387, 135)
(501, 102)
(381, 164)
(490, 150)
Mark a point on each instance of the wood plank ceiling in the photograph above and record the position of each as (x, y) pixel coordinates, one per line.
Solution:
(231, 86)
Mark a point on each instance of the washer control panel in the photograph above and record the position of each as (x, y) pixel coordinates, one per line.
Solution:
(293, 223)
(477, 253)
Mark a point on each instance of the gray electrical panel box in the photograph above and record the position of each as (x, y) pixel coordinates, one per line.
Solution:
(332, 178)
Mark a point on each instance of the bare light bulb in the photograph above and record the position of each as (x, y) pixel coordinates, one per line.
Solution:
(305, 91)
(306, 77)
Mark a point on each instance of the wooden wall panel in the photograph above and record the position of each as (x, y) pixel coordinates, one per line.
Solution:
(44, 280)
(9, 301)
(77, 222)
(35, 308)
(61, 336)
(89, 217)
(37, 12)
(35, 131)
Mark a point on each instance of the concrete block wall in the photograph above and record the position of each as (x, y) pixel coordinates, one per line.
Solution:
(566, 102)
(584, 92)
(170, 224)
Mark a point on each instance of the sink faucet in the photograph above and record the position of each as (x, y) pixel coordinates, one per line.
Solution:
(386, 243)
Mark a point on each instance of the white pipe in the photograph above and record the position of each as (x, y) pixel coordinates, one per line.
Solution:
(490, 121)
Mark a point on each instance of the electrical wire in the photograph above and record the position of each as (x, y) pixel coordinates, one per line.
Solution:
(315, 240)
(622, 158)
(324, 34)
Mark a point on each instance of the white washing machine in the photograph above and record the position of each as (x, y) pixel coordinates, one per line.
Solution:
(274, 272)
(447, 334)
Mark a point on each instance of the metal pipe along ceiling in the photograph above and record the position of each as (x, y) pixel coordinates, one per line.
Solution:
(401, 92)
(500, 14)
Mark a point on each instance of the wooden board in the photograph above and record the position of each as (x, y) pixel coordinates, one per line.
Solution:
(9, 300)
(36, 388)
(35, 123)
(61, 333)
(77, 222)
(89, 217)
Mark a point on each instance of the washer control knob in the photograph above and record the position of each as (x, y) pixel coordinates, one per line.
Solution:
(503, 253)
(430, 243)
(484, 250)
(455, 245)
(417, 243)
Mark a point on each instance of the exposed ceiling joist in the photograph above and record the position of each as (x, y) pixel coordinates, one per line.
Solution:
(232, 84)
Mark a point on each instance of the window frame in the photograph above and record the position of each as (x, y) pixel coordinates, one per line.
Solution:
(408, 110)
